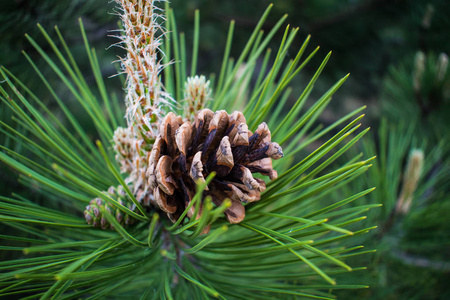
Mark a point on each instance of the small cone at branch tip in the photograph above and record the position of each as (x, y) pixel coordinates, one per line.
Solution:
(94, 213)
(214, 142)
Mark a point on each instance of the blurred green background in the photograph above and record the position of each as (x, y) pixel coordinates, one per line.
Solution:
(396, 53)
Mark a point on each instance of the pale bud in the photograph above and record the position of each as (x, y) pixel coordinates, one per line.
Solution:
(419, 69)
(441, 68)
(196, 92)
(410, 179)
(428, 16)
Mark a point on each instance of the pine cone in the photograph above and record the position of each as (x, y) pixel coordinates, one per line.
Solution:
(184, 154)
(93, 212)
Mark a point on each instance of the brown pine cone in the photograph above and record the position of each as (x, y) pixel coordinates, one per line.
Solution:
(184, 154)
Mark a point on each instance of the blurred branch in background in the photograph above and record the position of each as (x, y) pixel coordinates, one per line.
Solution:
(411, 175)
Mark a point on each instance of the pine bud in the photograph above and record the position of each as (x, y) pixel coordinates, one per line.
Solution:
(94, 211)
(428, 16)
(419, 69)
(196, 93)
(410, 179)
(441, 68)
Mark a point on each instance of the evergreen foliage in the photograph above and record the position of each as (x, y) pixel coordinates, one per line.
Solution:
(294, 242)
(413, 241)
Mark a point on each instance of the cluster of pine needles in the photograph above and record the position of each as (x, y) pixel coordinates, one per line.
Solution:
(294, 242)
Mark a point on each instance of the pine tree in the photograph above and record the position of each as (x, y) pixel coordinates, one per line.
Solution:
(292, 242)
